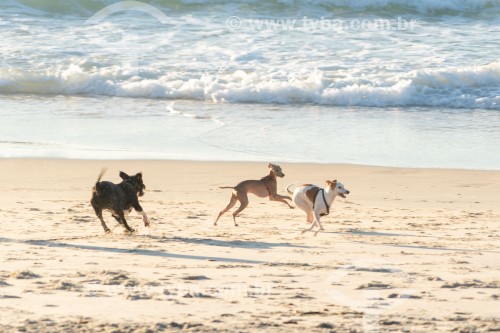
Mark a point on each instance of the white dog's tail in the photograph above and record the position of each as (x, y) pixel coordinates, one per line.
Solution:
(294, 184)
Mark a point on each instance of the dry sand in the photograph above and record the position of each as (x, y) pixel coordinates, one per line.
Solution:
(414, 250)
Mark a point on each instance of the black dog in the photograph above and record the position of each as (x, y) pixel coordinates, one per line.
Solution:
(119, 199)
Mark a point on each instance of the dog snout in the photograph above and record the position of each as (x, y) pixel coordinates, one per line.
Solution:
(347, 192)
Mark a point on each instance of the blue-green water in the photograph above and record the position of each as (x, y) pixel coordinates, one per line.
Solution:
(393, 82)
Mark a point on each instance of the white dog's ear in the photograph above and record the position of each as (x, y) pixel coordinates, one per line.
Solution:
(328, 182)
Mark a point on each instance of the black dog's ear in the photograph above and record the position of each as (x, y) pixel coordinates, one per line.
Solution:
(139, 176)
(123, 175)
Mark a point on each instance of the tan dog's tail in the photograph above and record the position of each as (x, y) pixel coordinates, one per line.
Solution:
(231, 187)
(288, 188)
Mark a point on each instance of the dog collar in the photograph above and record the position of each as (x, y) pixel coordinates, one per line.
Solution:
(265, 180)
(324, 200)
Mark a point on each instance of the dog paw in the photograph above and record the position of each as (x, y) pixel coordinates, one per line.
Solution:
(291, 207)
(146, 223)
(107, 231)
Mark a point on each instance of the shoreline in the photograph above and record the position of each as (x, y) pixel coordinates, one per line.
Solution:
(159, 160)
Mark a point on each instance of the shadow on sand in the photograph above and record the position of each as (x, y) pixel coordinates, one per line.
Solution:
(156, 253)
(383, 234)
(236, 243)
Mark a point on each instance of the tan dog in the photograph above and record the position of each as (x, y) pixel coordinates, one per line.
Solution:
(266, 186)
(316, 201)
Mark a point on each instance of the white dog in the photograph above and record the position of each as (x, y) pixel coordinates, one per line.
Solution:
(316, 201)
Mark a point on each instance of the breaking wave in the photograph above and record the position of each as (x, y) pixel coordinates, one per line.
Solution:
(469, 87)
(387, 7)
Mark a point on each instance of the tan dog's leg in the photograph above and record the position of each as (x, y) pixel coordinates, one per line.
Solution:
(230, 205)
(281, 198)
(243, 198)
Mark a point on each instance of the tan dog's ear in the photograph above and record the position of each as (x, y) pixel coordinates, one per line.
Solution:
(270, 165)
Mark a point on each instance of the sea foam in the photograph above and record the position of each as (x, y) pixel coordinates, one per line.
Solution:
(466, 87)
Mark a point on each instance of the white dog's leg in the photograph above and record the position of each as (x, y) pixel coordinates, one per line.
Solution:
(317, 217)
(310, 216)
(305, 206)
(311, 227)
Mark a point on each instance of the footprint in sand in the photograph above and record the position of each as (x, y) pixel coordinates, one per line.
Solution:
(375, 286)
(8, 296)
(195, 278)
(24, 275)
(471, 284)
(4, 284)
(64, 285)
(138, 296)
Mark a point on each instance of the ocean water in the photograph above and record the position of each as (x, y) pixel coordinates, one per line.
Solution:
(381, 82)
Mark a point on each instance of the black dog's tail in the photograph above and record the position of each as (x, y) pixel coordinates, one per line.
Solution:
(101, 174)
(96, 187)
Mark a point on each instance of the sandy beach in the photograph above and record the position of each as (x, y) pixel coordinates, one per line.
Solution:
(398, 100)
(409, 250)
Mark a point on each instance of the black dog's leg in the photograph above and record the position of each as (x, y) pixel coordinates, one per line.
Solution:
(138, 208)
(125, 224)
(98, 212)
(117, 218)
